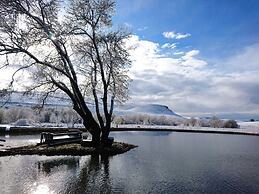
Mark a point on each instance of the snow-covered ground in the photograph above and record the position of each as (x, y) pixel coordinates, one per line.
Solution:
(249, 125)
(245, 127)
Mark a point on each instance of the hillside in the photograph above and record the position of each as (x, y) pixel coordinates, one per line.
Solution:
(19, 100)
(154, 109)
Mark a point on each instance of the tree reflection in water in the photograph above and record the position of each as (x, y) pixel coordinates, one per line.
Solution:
(90, 176)
(93, 177)
(49, 166)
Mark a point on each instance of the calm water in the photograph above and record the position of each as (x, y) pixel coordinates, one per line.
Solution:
(163, 163)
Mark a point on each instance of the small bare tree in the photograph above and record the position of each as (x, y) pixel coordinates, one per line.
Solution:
(74, 50)
(70, 117)
(215, 122)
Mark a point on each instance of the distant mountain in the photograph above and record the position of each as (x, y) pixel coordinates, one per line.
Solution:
(155, 109)
(19, 100)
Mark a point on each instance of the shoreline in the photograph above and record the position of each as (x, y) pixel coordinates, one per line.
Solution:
(38, 130)
(194, 130)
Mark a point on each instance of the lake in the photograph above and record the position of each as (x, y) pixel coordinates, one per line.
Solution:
(164, 162)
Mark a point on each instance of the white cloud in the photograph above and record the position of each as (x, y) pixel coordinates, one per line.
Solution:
(187, 84)
(174, 35)
(190, 54)
(148, 57)
(168, 45)
(179, 53)
(246, 59)
(189, 59)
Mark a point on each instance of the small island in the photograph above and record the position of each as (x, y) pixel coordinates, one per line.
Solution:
(68, 149)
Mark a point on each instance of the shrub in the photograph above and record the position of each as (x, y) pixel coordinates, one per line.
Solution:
(144, 119)
(70, 117)
(203, 123)
(24, 122)
(14, 114)
(230, 124)
(216, 122)
(119, 120)
(193, 122)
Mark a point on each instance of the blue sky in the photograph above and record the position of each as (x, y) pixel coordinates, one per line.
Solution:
(218, 27)
(196, 56)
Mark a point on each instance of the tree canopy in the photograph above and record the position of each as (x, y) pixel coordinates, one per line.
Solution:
(73, 49)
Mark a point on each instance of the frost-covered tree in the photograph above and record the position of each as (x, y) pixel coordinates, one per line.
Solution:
(215, 122)
(70, 117)
(72, 49)
(11, 115)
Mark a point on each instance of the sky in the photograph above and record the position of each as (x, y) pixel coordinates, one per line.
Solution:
(195, 56)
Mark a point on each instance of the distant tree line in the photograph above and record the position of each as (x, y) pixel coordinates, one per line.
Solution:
(29, 116)
(144, 119)
(212, 122)
(65, 116)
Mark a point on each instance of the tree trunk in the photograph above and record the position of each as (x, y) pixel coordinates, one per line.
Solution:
(106, 131)
(96, 138)
(94, 129)
(108, 116)
(105, 134)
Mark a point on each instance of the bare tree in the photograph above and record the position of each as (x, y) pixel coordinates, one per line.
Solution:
(216, 122)
(74, 50)
(69, 116)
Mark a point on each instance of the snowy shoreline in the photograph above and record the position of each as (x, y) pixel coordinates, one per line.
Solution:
(237, 131)
(246, 128)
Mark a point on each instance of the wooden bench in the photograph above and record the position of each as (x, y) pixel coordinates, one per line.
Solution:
(53, 139)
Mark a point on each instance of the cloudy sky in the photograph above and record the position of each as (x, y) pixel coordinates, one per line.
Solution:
(195, 56)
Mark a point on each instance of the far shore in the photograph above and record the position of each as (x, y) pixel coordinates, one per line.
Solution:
(36, 130)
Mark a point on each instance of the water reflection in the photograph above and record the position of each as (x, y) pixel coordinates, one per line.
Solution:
(89, 174)
(163, 163)
(42, 189)
(47, 166)
(93, 177)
